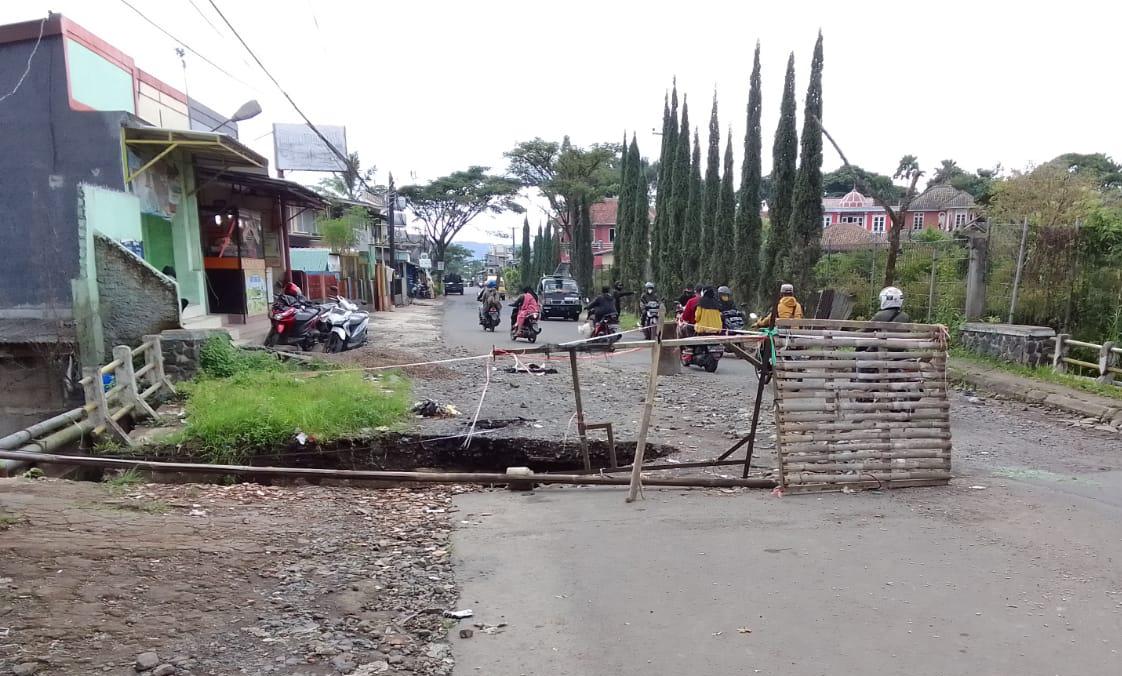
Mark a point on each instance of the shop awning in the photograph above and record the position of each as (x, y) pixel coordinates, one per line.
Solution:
(293, 193)
(202, 145)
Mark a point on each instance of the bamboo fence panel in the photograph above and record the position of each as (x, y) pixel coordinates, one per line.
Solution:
(861, 404)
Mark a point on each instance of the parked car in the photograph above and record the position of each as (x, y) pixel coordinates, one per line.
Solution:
(560, 297)
(453, 283)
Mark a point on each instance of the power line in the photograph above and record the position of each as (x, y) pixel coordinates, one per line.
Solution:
(217, 31)
(19, 83)
(187, 46)
(329, 144)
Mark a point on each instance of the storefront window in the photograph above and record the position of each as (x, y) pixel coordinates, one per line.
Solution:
(232, 233)
(252, 243)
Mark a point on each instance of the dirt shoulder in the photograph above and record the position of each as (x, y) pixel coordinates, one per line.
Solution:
(223, 579)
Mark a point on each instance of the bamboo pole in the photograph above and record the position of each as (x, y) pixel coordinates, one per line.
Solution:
(867, 465)
(863, 417)
(810, 405)
(815, 356)
(844, 456)
(581, 431)
(375, 475)
(884, 476)
(862, 340)
(798, 325)
(645, 422)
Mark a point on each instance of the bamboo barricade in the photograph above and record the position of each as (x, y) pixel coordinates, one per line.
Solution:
(861, 404)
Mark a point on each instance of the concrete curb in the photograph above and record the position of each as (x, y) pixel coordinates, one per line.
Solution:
(1101, 409)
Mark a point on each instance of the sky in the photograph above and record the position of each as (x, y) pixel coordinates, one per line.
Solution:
(425, 88)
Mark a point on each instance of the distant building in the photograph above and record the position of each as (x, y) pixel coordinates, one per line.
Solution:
(941, 207)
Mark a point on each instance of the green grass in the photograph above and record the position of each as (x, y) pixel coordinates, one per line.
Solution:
(227, 418)
(1044, 374)
(125, 480)
(8, 520)
(628, 320)
(219, 358)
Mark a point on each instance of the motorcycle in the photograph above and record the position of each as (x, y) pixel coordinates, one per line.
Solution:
(704, 356)
(649, 319)
(294, 321)
(343, 326)
(529, 330)
(489, 319)
(606, 327)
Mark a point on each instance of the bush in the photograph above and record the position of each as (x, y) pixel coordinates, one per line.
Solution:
(219, 358)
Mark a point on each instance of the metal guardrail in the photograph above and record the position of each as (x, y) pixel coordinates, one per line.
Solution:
(1107, 365)
(104, 407)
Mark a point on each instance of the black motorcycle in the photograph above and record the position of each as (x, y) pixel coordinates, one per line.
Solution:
(489, 318)
(295, 321)
(649, 319)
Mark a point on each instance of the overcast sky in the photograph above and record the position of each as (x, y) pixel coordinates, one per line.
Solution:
(425, 88)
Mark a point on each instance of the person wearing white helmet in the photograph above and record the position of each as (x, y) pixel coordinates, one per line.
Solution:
(649, 295)
(891, 306)
(787, 308)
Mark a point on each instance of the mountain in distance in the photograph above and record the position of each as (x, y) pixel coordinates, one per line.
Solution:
(478, 249)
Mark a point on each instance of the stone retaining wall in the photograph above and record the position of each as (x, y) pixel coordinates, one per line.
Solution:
(1013, 343)
(181, 349)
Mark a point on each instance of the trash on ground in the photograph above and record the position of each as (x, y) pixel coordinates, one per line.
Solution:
(491, 628)
(459, 614)
(467, 633)
(428, 408)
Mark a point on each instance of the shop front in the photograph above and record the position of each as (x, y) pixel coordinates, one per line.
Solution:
(244, 237)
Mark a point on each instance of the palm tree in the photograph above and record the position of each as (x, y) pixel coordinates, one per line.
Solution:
(350, 183)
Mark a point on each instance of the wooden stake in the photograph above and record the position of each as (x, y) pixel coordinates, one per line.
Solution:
(580, 412)
(644, 424)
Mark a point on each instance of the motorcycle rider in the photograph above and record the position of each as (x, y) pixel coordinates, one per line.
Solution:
(687, 294)
(488, 297)
(649, 295)
(689, 314)
(891, 306)
(707, 315)
(526, 305)
(788, 307)
(618, 292)
(724, 297)
(602, 305)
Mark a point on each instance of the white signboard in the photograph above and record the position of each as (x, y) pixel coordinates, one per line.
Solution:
(298, 148)
(424, 262)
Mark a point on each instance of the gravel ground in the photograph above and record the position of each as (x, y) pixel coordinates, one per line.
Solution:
(205, 579)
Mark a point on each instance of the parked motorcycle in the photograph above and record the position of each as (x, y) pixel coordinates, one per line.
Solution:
(649, 319)
(344, 326)
(529, 330)
(489, 319)
(294, 321)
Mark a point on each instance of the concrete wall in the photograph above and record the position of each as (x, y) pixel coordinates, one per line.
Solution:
(1013, 343)
(135, 299)
(46, 150)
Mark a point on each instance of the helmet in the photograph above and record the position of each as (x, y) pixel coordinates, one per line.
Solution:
(491, 284)
(891, 297)
(787, 290)
(724, 293)
(649, 286)
(291, 289)
(618, 286)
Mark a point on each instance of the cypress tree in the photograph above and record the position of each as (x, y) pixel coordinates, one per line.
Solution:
(711, 195)
(554, 249)
(525, 264)
(638, 245)
(583, 250)
(722, 260)
(691, 240)
(806, 203)
(538, 252)
(748, 223)
(783, 153)
(670, 253)
(621, 247)
(665, 186)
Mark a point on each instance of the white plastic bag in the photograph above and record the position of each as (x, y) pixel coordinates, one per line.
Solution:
(585, 329)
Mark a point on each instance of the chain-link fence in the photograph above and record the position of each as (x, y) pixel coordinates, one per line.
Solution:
(931, 274)
(1069, 279)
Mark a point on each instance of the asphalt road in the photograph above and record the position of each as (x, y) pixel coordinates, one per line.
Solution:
(1013, 568)
(461, 329)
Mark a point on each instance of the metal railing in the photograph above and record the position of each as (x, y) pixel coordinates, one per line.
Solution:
(1108, 357)
(126, 391)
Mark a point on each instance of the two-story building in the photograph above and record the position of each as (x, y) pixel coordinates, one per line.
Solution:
(940, 207)
(124, 212)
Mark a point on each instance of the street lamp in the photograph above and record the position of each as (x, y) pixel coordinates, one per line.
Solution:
(247, 110)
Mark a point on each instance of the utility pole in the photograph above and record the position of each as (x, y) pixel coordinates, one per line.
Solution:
(391, 196)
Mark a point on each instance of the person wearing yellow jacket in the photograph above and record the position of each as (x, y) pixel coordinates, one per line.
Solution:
(788, 307)
(707, 316)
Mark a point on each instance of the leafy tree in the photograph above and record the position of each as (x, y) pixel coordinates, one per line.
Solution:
(458, 259)
(638, 246)
(784, 152)
(806, 200)
(1105, 170)
(979, 184)
(525, 260)
(722, 259)
(447, 204)
(947, 170)
(351, 183)
(711, 193)
(670, 255)
(621, 252)
(1048, 195)
(692, 232)
(748, 226)
(840, 181)
(580, 254)
(664, 195)
(342, 233)
(537, 262)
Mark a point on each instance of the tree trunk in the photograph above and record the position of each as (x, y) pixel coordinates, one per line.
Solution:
(899, 218)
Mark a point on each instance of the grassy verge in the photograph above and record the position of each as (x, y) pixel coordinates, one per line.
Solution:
(244, 401)
(1043, 374)
(628, 320)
